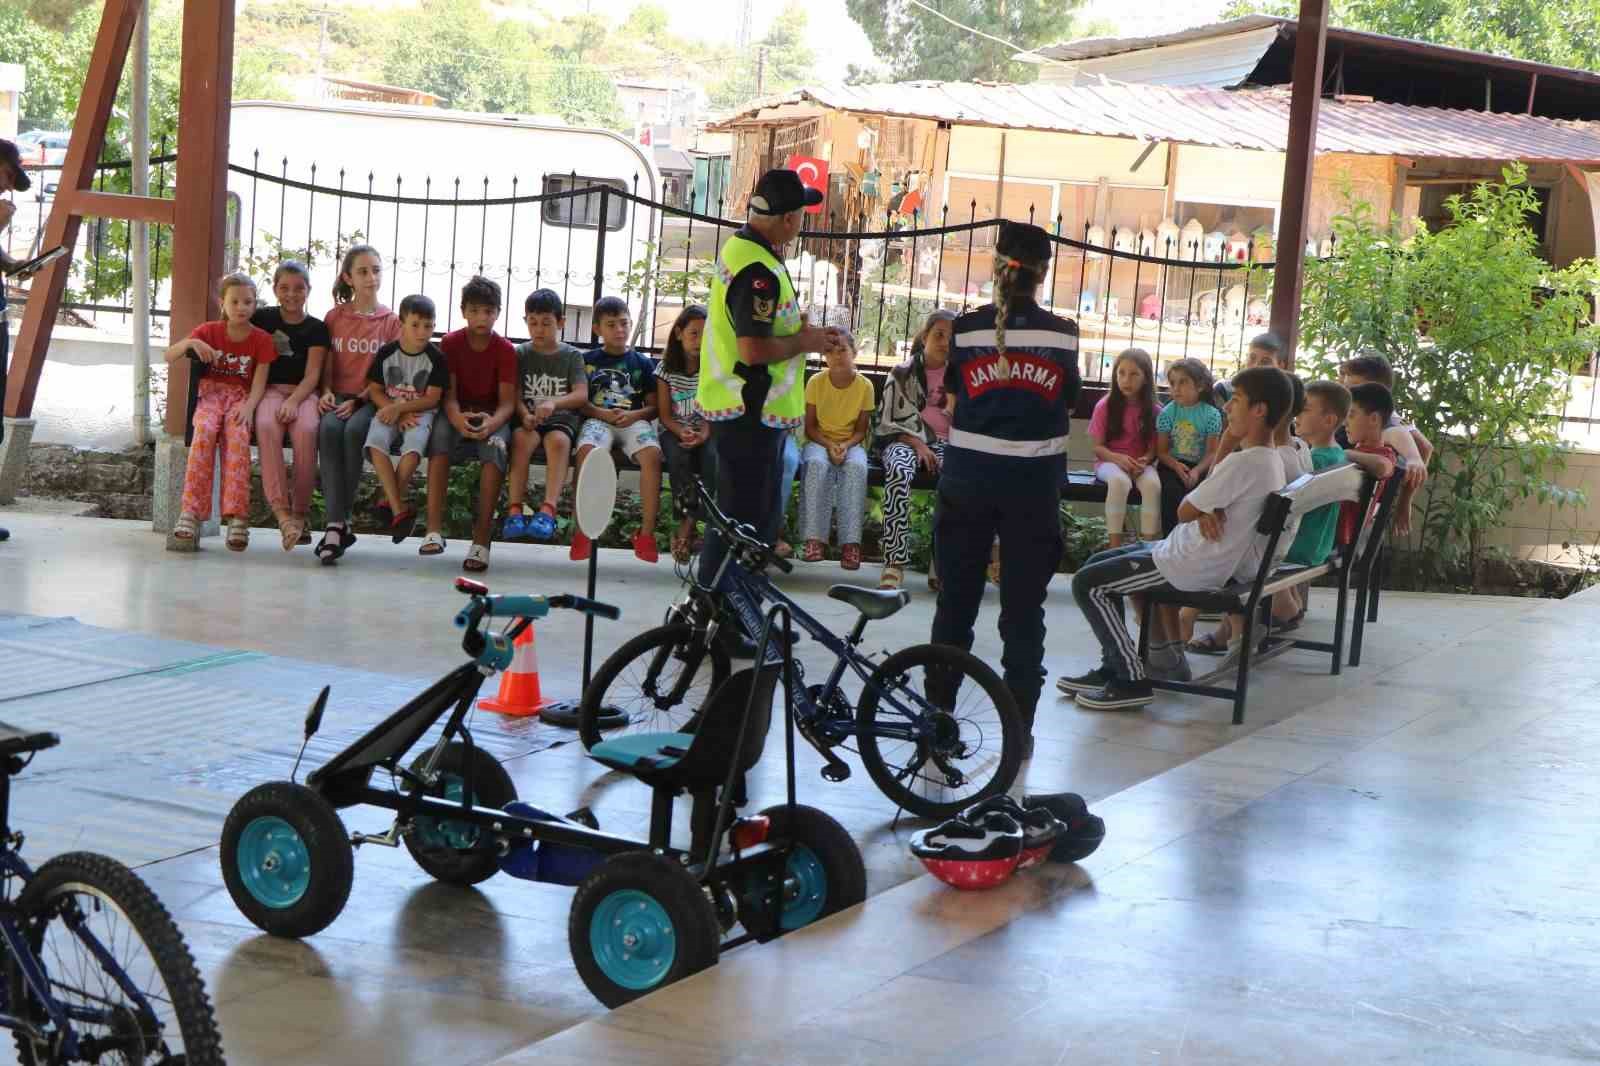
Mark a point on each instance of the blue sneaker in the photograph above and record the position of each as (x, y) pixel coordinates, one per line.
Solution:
(542, 526)
(515, 527)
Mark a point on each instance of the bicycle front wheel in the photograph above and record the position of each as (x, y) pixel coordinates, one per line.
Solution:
(111, 953)
(660, 680)
(939, 730)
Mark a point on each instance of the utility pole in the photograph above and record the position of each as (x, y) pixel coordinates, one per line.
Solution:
(322, 48)
(744, 24)
(139, 231)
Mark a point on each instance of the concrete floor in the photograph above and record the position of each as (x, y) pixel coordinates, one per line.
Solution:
(417, 972)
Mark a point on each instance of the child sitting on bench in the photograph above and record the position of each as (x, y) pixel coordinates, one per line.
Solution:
(1215, 540)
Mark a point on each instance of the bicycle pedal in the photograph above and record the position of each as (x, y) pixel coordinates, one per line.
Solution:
(836, 772)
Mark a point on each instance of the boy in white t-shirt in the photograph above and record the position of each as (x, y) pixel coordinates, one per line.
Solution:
(1217, 531)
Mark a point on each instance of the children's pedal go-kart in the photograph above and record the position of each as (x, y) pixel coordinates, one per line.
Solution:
(646, 913)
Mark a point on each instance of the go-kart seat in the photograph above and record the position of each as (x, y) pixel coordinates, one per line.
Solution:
(876, 604)
(698, 761)
(14, 741)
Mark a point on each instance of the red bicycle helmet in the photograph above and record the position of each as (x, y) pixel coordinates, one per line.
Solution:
(970, 855)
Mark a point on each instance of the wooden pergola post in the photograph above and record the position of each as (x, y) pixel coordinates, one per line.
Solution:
(196, 212)
(1310, 44)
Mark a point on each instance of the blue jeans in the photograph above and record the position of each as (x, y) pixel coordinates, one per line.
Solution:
(791, 466)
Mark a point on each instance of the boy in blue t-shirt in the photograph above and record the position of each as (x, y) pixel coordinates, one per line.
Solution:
(621, 409)
(1188, 431)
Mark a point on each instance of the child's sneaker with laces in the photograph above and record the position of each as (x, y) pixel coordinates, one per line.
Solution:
(1118, 695)
(1093, 681)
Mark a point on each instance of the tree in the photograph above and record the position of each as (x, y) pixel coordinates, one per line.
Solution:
(1567, 35)
(1483, 335)
(918, 45)
(778, 62)
(583, 96)
(51, 92)
(442, 48)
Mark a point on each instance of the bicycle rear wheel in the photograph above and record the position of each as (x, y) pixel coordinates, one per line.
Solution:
(973, 749)
(154, 1011)
(659, 679)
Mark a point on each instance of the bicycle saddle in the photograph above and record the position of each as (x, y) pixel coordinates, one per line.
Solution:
(876, 604)
(14, 741)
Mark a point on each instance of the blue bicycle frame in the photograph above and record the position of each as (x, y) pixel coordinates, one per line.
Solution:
(751, 593)
(32, 967)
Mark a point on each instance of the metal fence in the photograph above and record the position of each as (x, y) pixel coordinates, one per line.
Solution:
(585, 236)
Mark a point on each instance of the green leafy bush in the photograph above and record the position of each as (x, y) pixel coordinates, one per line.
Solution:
(1483, 335)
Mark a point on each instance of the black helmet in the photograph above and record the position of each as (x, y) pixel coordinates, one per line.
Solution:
(1023, 242)
(1040, 828)
(1084, 831)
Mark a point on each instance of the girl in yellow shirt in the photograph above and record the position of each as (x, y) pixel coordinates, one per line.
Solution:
(839, 405)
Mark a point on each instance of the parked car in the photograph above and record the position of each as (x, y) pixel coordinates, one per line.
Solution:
(45, 148)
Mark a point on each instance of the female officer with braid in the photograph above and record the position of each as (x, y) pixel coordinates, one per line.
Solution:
(1013, 371)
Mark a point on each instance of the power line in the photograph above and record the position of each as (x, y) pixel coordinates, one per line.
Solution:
(979, 33)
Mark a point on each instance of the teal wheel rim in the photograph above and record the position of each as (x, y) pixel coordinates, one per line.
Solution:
(274, 862)
(447, 832)
(805, 890)
(632, 940)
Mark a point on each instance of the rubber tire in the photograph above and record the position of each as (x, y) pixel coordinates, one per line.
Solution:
(645, 643)
(975, 670)
(332, 859)
(492, 787)
(162, 939)
(697, 934)
(833, 846)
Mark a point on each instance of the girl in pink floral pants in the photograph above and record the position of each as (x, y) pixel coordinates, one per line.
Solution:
(233, 357)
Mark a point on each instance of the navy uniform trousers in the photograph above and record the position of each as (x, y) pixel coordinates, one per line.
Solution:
(967, 519)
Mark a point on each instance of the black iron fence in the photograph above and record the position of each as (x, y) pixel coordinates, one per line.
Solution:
(586, 236)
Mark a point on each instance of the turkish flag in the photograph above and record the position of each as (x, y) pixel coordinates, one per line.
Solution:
(813, 175)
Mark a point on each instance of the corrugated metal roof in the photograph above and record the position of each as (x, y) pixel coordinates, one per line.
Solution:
(1095, 47)
(1256, 119)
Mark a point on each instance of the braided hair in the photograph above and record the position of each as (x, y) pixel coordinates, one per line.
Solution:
(1021, 260)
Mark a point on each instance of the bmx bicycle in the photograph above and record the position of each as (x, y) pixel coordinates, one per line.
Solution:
(96, 971)
(646, 912)
(936, 728)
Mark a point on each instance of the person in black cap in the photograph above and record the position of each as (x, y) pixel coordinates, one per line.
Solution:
(752, 364)
(12, 177)
(1013, 371)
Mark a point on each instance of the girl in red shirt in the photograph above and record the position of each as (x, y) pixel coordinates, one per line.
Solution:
(233, 357)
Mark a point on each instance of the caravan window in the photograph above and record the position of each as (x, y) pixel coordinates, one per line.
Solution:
(583, 212)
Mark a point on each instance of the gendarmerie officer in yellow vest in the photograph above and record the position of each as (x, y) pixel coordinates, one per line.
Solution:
(752, 364)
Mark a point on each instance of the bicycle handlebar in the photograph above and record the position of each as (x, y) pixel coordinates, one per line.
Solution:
(525, 608)
(738, 532)
(587, 606)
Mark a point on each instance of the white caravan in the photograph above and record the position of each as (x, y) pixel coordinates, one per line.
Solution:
(439, 183)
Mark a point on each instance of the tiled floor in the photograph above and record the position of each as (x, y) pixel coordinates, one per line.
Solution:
(416, 972)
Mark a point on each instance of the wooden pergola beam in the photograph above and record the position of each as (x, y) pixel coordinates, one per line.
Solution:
(196, 212)
(1310, 45)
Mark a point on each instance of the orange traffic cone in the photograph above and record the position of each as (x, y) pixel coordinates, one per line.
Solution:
(519, 686)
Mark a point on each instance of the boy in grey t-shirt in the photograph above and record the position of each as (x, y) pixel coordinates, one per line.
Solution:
(405, 383)
(552, 385)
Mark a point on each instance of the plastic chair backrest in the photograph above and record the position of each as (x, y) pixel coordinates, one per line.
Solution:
(717, 731)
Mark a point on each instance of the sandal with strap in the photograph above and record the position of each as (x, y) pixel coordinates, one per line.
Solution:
(238, 538)
(185, 527)
(1208, 645)
(892, 577)
(332, 545)
(290, 530)
(680, 548)
(850, 557)
(814, 551)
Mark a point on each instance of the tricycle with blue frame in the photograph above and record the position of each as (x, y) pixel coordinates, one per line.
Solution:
(646, 912)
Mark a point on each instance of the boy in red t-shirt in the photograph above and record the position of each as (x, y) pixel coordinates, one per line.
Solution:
(478, 405)
(233, 357)
(1371, 407)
